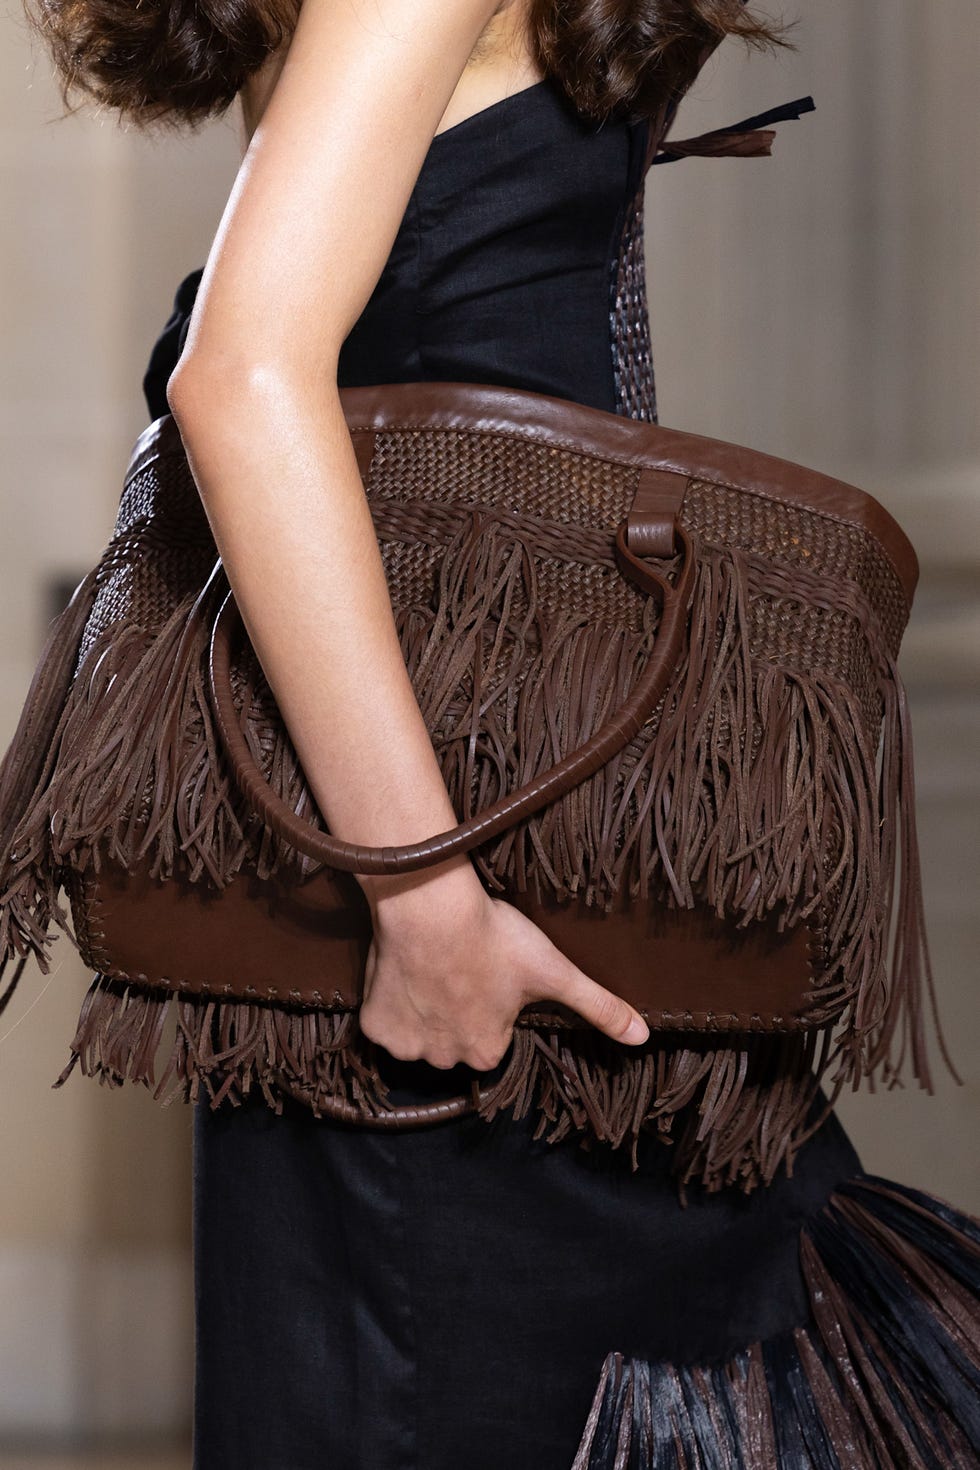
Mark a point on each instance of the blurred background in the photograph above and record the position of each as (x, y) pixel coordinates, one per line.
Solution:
(820, 304)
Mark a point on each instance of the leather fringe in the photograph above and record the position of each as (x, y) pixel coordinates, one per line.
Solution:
(734, 1109)
(884, 1376)
(29, 885)
(755, 788)
(226, 1048)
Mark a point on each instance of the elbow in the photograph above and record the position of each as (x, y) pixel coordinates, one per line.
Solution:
(204, 397)
(178, 392)
(212, 401)
(196, 401)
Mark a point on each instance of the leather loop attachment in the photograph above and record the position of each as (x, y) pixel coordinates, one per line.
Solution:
(653, 515)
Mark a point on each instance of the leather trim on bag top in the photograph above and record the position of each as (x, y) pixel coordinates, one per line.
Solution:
(489, 409)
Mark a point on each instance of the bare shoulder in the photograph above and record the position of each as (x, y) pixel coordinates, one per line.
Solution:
(326, 178)
(500, 62)
(503, 36)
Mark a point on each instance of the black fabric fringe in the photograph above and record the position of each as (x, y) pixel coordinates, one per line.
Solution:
(884, 1376)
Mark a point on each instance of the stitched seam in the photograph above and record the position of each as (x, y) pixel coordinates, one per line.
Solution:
(271, 993)
(694, 1021)
(94, 921)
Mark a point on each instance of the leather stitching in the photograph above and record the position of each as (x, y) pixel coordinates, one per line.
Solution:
(712, 1020)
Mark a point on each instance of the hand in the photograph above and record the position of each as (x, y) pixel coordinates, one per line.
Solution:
(448, 974)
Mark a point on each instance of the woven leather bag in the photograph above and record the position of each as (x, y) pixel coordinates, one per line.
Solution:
(659, 672)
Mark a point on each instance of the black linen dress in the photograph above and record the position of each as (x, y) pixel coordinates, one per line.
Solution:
(460, 1297)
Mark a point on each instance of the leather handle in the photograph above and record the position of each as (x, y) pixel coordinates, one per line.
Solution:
(573, 768)
(402, 1115)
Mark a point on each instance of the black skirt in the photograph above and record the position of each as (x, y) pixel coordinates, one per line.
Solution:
(465, 1297)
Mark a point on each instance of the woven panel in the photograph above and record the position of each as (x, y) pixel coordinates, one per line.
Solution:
(629, 319)
(563, 506)
(792, 537)
(161, 551)
(502, 471)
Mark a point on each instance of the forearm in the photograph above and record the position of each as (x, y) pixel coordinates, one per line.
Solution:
(276, 470)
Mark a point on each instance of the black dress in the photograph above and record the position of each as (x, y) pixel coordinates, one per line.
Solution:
(460, 1298)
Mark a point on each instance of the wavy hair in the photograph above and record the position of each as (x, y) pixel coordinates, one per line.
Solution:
(176, 63)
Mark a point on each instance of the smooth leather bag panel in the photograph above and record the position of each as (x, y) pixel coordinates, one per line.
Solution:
(683, 968)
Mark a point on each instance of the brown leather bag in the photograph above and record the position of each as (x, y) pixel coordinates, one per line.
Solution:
(659, 673)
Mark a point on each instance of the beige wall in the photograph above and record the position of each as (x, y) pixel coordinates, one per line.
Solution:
(98, 227)
(818, 304)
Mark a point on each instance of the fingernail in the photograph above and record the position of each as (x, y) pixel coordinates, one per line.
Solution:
(637, 1031)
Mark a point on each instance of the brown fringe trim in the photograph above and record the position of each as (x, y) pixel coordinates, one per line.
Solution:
(734, 1108)
(226, 1047)
(29, 882)
(754, 789)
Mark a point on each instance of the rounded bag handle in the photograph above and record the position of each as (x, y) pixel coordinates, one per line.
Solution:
(402, 1115)
(612, 735)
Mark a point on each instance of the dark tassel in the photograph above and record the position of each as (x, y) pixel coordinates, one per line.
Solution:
(886, 1374)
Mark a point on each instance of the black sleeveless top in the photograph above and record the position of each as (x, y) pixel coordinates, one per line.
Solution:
(502, 268)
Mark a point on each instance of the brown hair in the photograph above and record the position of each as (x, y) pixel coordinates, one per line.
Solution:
(178, 62)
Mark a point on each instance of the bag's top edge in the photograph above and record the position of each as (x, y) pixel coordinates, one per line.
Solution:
(562, 423)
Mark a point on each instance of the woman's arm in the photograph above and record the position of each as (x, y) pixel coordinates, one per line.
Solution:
(305, 235)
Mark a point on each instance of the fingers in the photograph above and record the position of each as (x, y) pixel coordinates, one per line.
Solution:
(467, 1014)
(439, 1048)
(603, 1009)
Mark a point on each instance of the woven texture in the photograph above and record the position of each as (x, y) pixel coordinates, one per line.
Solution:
(823, 591)
(633, 372)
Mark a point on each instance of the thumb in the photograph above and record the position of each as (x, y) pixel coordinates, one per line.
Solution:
(602, 1008)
